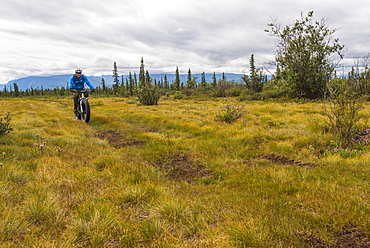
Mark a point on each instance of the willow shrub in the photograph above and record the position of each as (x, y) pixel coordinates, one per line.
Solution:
(148, 95)
(343, 108)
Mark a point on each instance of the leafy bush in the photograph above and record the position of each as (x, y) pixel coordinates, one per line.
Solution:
(248, 95)
(178, 95)
(148, 95)
(4, 125)
(305, 53)
(230, 114)
(234, 91)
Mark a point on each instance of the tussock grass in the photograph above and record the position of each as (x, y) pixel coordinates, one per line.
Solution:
(106, 184)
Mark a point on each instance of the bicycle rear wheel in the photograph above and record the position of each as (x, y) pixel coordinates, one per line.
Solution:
(85, 108)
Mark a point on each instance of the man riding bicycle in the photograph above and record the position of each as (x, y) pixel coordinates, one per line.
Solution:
(77, 83)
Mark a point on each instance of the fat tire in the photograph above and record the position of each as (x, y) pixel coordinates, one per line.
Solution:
(85, 107)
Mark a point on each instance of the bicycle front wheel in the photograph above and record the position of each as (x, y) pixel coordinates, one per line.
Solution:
(85, 115)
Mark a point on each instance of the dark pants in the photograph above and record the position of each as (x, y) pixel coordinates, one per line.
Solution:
(75, 100)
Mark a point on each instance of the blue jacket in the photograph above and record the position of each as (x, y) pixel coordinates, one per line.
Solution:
(79, 83)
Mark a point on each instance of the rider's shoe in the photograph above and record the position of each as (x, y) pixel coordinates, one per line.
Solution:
(77, 115)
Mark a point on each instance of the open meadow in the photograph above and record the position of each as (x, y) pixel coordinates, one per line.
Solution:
(171, 175)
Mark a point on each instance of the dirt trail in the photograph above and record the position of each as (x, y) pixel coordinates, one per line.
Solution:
(282, 160)
(180, 168)
(349, 237)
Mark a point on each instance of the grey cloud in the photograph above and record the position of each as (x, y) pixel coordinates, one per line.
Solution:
(36, 11)
(205, 35)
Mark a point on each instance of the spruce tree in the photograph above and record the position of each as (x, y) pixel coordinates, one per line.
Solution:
(142, 73)
(131, 84)
(166, 83)
(252, 68)
(16, 90)
(115, 78)
(214, 78)
(177, 80)
(103, 85)
(203, 80)
(122, 87)
(147, 93)
(135, 81)
(148, 79)
(191, 80)
(256, 80)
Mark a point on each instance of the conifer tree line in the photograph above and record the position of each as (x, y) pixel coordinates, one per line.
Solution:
(14, 91)
(130, 85)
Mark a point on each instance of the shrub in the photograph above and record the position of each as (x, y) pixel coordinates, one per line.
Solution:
(230, 114)
(222, 88)
(148, 95)
(4, 125)
(248, 95)
(345, 103)
(178, 95)
(234, 91)
(268, 92)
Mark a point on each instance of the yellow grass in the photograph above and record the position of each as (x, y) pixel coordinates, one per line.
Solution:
(172, 176)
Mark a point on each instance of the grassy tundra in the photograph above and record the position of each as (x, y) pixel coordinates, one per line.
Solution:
(171, 175)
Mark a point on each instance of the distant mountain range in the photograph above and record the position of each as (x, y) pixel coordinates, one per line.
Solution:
(58, 81)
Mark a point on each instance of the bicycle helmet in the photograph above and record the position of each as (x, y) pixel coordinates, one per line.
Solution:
(78, 70)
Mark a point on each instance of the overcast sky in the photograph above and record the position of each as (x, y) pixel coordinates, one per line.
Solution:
(39, 37)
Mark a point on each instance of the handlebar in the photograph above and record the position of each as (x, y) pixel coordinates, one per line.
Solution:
(81, 91)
